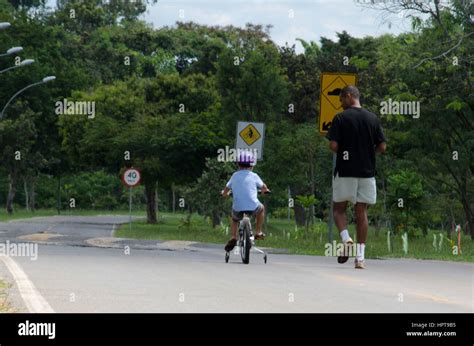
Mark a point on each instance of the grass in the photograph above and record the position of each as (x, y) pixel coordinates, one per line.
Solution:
(24, 214)
(173, 227)
(4, 307)
(282, 233)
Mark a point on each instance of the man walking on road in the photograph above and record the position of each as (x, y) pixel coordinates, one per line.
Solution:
(355, 135)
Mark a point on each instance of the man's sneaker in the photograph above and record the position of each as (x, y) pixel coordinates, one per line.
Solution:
(359, 264)
(230, 245)
(345, 258)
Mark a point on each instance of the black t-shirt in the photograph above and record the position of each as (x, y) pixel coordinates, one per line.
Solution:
(356, 131)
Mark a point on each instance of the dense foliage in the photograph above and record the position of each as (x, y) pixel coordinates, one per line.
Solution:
(167, 99)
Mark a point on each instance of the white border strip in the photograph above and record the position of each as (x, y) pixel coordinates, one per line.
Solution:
(34, 301)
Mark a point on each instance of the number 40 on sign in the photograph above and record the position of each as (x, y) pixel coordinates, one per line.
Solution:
(131, 177)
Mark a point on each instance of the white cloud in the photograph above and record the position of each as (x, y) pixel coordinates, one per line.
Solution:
(312, 18)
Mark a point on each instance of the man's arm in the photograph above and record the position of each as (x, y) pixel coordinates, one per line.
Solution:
(381, 148)
(333, 146)
(380, 141)
(264, 188)
(334, 135)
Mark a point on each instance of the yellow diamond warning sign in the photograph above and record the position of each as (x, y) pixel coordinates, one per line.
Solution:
(332, 91)
(250, 134)
(330, 105)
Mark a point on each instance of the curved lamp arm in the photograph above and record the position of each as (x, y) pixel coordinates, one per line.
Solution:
(45, 80)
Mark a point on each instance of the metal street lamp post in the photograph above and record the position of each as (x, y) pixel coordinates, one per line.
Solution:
(23, 63)
(44, 80)
(4, 25)
(12, 50)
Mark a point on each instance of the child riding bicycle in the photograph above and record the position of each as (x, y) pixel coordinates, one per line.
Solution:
(244, 185)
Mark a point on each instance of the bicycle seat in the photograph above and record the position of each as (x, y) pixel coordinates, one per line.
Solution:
(247, 212)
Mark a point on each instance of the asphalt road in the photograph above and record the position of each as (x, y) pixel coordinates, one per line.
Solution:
(81, 268)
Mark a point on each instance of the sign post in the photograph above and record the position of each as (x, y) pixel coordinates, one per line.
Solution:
(131, 178)
(130, 209)
(330, 105)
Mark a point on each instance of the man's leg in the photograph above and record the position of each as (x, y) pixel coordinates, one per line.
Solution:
(362, 230)
(362, 222)
(340, 219)
(344, 191)
(366, 195)
(339, 213)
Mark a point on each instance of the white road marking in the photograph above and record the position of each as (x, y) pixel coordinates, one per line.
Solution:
(34, 301)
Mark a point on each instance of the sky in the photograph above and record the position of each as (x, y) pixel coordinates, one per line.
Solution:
(291, 19)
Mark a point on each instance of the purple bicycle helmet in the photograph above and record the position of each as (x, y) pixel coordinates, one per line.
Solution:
(246, 158)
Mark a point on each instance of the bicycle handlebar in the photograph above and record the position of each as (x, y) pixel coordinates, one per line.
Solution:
(268, 192)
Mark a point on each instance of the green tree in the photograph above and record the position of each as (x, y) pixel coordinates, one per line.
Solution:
(17, 140)
(405, 196)
(252, 86)
(204, 194)
(439, 76)
(303, 77)
(142, 118)
(298, 157)
(307, 202)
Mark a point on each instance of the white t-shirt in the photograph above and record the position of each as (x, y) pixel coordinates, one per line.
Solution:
(244, 184)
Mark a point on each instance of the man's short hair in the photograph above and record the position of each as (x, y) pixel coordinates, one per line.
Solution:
(350, 89)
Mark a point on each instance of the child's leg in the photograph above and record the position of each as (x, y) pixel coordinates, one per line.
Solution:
(233, 228)
(260, 219)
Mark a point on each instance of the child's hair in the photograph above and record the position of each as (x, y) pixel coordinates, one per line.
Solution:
(244, 165)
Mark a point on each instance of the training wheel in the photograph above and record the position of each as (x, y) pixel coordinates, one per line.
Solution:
(265, 258)
(226, 257)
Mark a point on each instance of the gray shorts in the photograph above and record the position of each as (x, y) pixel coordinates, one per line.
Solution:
(362, 190)
(239, 215)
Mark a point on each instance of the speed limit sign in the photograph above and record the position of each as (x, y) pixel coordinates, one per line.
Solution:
(131, 177)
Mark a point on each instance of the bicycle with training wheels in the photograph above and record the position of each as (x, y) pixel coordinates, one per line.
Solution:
(246, 240)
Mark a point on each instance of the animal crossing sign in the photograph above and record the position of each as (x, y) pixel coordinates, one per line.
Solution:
(331, 86)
